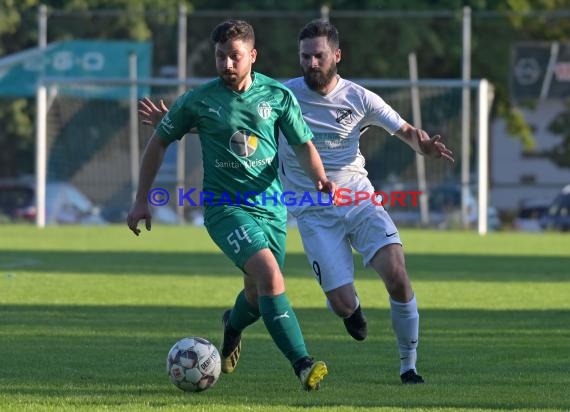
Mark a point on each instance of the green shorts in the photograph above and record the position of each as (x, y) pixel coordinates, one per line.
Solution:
(240, 234)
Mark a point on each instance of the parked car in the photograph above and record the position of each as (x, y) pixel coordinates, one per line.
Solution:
(558, 215)
(444, 210)
(16, 201)
(529, 215)
(64, 203)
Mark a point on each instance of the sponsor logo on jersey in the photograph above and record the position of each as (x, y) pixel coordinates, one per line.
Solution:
(264, 110)
(344, 116)
(243, 143)
(235, 164)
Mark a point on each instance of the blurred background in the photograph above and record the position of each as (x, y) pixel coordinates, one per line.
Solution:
(70, 71)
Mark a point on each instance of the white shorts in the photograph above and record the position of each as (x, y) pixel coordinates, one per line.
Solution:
(329, 235)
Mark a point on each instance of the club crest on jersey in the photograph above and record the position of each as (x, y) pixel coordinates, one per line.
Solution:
(344, 116)
(243, 143)
(264, 110)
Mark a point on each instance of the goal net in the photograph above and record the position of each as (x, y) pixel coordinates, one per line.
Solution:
(94, 143)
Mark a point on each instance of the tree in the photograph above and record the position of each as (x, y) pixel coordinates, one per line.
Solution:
(436, 41)
(18, 32)
(560, 154)
(16, 114)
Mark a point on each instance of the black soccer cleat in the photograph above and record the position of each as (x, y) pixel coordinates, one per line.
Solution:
(356, 325)
(411, 378)
(231, 345)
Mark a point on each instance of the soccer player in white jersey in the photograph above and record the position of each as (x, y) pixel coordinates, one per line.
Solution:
(337, 110)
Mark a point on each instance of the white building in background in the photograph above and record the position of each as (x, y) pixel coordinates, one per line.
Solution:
(517, 178)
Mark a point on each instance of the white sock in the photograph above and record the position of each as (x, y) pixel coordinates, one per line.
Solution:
(406, 323)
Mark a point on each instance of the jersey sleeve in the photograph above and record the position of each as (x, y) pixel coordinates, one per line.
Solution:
(380, 113)
(291, 122)
(178, 120)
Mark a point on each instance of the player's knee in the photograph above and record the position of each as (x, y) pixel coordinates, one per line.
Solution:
(341, 307)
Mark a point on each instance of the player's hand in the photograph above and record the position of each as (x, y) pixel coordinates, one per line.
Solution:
(433, 146)
(138, 212)
(329, 187)
(149, 113)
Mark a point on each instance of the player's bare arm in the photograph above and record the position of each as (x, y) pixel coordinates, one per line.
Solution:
(310, 161)
(422, 143)
(151, 161)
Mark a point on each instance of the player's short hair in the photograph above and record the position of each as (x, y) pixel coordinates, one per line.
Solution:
(320, 28)
(233, 30)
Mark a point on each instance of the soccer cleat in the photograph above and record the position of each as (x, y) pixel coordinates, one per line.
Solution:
(356, 325)
(231, 345)
(311, 373)
(411, 378)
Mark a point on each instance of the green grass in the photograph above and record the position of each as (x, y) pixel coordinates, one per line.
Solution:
(87, 316)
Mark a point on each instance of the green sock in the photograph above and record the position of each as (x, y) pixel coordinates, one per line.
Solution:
(243, 314)
(282, 324)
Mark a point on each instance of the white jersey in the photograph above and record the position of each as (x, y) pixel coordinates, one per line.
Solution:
(336, 121)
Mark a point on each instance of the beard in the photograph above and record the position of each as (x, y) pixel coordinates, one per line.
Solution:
(317, 79)
(229, 77)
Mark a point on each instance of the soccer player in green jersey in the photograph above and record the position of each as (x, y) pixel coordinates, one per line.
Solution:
(238, 117)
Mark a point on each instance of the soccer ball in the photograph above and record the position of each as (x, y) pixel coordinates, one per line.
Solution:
(193, 364)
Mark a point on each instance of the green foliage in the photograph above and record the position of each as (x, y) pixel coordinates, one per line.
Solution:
(373, 46)
(17, 119)
(16, 137)
(517, 126)
(561, 125)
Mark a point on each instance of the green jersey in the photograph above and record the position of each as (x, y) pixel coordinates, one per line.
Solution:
(239, 134)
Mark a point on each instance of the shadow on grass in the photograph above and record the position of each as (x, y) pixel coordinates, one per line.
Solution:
(488, 268)
(470, 358)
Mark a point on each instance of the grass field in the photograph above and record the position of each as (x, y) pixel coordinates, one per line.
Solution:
(87, 316)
